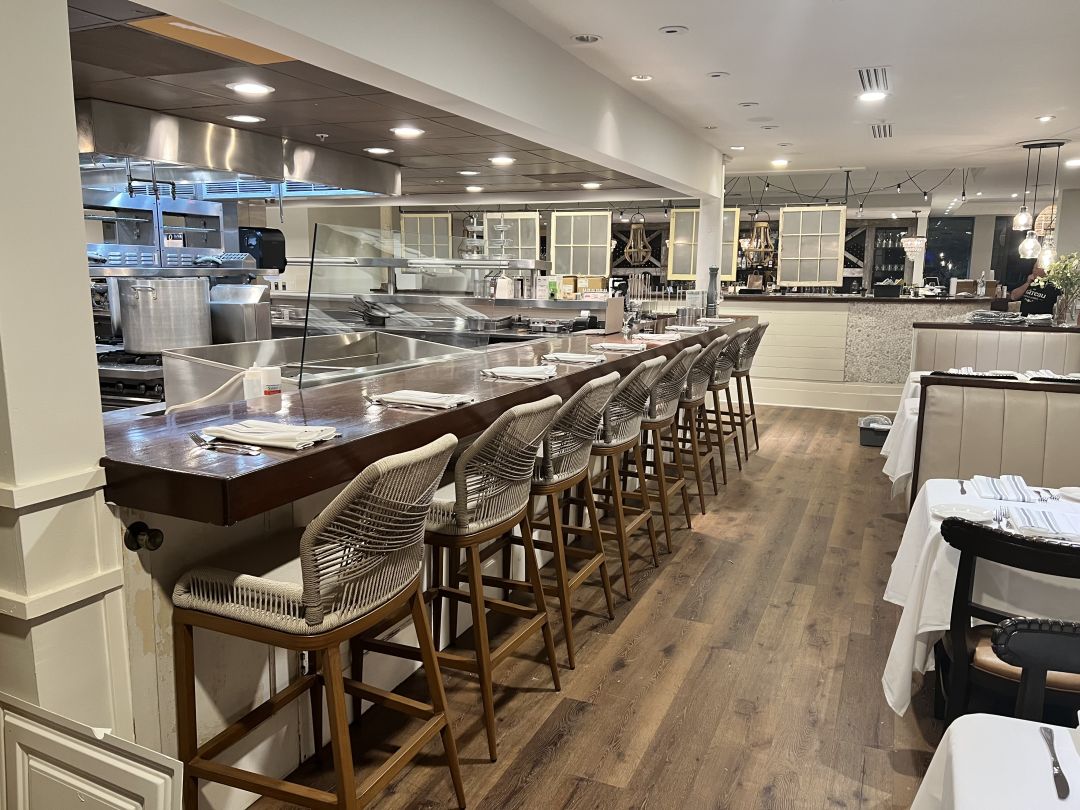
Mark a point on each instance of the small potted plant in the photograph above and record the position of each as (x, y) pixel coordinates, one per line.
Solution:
(1065, 275)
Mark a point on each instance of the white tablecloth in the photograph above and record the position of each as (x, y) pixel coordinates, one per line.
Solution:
(985, 762)
(924, 574)
(899, 447)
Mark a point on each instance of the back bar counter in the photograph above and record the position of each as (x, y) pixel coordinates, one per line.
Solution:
(210, 506)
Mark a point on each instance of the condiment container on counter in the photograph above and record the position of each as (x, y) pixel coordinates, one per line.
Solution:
(262, 381)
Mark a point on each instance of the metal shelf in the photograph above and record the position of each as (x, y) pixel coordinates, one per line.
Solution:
(104, 218)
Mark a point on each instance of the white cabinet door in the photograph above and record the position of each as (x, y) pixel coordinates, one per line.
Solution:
(48, 762)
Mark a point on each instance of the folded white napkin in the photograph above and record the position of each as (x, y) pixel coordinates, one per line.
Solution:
(272, 434)
(690, 330)
(1042, 521)
(521, 372)
(617, 347)
(571, 357)
(1005, 488)
(658, 337)
(424, 399)
(715, 321)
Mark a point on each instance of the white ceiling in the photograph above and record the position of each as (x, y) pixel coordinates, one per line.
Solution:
(968, 78)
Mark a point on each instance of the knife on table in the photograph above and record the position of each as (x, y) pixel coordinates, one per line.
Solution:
(1061, 784)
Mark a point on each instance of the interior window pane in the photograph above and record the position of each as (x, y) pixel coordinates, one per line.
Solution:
(789, 270)
(808, 247)
(811, 222)
(830, 222)
(830, 247)
(829, 271)
(598, 260)
(729, 226)
(808, 271)
(792, 222)
(527, 232)
(563, 226)
(600, 233)
(561, 257)
(442, 227)
(580, 234)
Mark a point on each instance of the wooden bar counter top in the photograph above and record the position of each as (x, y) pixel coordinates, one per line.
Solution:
(151, 463)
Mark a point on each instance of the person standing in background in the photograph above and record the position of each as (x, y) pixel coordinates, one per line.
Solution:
(1037, 295)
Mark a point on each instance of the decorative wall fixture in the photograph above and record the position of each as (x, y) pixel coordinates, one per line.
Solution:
(638, 250)
(810, 246)
(1031, 247)
(761, 251)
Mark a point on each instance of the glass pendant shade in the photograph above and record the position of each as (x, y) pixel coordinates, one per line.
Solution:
(1023, 219)
(1048, 255)
(1030, 247)
(913, 246)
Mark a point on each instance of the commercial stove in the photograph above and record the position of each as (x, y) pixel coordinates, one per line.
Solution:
(127, 380)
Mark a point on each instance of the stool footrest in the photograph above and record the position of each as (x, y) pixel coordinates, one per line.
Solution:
(516, 640)
(265, 785)
(390, 700)
(378, 781)
(394, 648)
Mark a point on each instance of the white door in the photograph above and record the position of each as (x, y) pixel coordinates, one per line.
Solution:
(48, 762)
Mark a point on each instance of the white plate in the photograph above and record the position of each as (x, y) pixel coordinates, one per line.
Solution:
(1071, 493)
(979, 514)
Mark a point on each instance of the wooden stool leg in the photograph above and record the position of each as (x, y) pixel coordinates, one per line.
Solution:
(598, 545)
(562, 577)
(315, 695)
(505, 558)
(186, 728)
(646, 501)
(676, 453)
(482, 644)
(437, 602)
(695, 450)
(742, 417)
(753, 411)
(720, 442)
(339, 728)
(620, 524)
(532, 571)
(453, 563)
(438, 694)
(703, 429)
(661, 477)
(734, 425)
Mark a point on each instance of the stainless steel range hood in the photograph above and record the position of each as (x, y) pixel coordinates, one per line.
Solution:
(118, 129)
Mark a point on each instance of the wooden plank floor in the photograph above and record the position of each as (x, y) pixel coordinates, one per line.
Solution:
(744, 674)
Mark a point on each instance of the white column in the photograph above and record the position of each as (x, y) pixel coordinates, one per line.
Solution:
(709, 238)
(982, 246)
(917, 264)
(1068, 221)
(61, 615)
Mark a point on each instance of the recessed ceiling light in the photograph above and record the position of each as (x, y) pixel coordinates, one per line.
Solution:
(748, 103)
(474, 189)
(1072, 163)
(709, 126)
(245, 119)
(468, 173)
(718, 74)
(894, 215)
(587, 39)
(378, 150)
(641, 77)
(440, 181)
(198, 29)
(978, 193)
(407, 132)
(780, 163)
(770, 126)
(1015, 194)
(872, 95)
(501, 160)
(1044, 118)
(250, 88)
(1028, 191)
(737, 148)
(592, 186)
(785, 144)
(674, 30)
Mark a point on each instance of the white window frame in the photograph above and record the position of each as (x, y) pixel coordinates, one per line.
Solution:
(518, 251)
(562, 223)
(694, 214)
(792, 249)
(426, 223)
(729, 244)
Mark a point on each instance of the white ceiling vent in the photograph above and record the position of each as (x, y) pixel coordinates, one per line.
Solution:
(880, 131)
(874, 79)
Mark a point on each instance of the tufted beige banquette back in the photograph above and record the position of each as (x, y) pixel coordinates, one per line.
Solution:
(987, 349)
(991, 427)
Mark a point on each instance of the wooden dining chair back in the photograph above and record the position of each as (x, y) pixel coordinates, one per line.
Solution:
(1037, 647)
(360, 566)
(977, 542)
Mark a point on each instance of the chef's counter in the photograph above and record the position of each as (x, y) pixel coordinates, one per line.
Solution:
(152, 465)
(779, 298)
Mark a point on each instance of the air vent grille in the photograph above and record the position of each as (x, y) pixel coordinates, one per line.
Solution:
(874, 79)
(880, 131)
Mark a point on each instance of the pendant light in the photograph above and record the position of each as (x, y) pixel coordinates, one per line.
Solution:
(1030, 246)
(914, 246)
(1023, 219)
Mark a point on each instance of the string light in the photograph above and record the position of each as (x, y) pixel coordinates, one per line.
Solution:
(897, 188)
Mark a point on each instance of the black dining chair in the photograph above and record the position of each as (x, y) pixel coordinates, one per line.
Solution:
(968, 655)
(1038, 648)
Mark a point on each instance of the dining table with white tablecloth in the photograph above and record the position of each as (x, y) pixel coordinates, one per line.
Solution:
(924, 574)
(986, 762)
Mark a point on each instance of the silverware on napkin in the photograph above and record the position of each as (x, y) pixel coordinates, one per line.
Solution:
(1061, 784)
(225, 447)
(960, 481)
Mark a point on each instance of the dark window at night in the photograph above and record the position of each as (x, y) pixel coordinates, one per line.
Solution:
(1005, 260)
(948, 247)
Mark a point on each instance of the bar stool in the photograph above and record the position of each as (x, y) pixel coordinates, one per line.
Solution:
(741, 374)
(360, 565)
(693, 425)
(563, 466)
(715, 422)
(488, 499)
(618, 437)
(660, 420)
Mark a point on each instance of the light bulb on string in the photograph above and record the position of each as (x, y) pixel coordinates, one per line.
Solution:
(1048, 254)
(925, 197)
(1023, 219)
(897, 188)
(1030, 247)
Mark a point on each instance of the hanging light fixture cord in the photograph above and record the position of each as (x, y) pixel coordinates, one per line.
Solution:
(1053, 200)
(1027, 172)
(1035, 201)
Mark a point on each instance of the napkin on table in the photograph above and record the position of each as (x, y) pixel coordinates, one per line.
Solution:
(693, 330)
(1041, 520)
(658, 337)
(424, 399)
(272, 434)
(521, 372)
(617, 347)
(571, 357)
(1005, 488)
(715, 321)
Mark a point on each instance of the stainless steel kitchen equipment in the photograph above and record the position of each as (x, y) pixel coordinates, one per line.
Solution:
(193, 373)
(121, 229)
(127, 379)
(164, 313)
(239, 312)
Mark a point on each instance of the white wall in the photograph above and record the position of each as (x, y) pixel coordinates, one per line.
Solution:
(982, 246)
